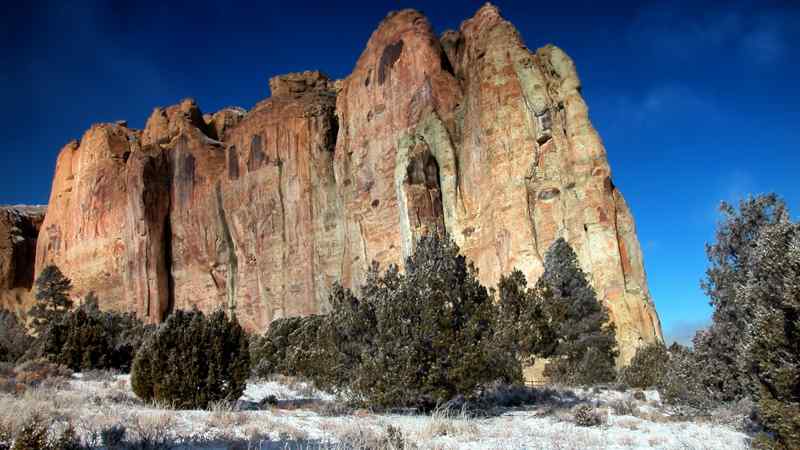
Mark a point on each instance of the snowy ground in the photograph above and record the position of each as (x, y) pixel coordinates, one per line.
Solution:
(305, 419)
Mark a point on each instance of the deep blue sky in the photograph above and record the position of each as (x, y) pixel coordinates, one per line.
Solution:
(696, 102)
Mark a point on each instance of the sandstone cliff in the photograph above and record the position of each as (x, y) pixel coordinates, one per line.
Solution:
(19, 228)
(262, 210)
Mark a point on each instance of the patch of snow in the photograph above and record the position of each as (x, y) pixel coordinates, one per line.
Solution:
(98, 403)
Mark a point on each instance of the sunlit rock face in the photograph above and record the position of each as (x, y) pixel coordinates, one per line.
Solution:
(261, 211)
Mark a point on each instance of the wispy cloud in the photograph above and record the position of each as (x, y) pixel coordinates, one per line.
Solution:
(682, 31)
(673, 102)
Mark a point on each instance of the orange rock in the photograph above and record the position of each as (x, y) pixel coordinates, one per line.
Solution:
(262, 211)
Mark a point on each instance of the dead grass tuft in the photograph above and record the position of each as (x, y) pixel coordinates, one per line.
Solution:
(447, 422)
(224, 415)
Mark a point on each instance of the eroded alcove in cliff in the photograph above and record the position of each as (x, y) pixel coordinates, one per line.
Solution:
(423, 193)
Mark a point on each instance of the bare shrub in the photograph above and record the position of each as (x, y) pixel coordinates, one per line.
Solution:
(449, 422)
(223, 416)
(623, 407)
(39, 432)
(152, 432)
(33, 435)
(334, 409)
(587, 416)
(289, 432)
(113, 437)
(99, 375)
(358, 437)
(34, 373)
(5, 435)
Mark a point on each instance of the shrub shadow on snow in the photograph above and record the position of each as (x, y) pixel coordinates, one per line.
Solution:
(500, 399)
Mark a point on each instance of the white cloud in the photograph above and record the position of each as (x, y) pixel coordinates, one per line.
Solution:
(674, 102)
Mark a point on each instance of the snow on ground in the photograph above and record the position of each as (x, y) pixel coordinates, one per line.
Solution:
(299, 420)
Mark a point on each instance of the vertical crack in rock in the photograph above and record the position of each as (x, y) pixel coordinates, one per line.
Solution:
(284, 244)
(167, 255)
(233, 163)
(184, 171)
(366, 261)
(618, 237)
(229, 250)
(530, 204)
(145, 268)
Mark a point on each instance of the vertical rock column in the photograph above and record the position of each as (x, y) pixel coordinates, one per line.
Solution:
(534, 169)
(148, 278)
(281, 201)
(85, 231)
(400, 81)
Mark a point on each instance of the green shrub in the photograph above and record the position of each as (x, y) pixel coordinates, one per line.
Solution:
(420, 338)
(521, 321)
(682, 383)
(585, 351)
(192, 360)
(14, 338)
(88, 339)
(732, 257)
(292, 347)
(771, 337)
(52, 298)
(647, 368)
(751, 348)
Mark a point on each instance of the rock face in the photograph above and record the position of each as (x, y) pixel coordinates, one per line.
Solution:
(19, 228)
(261, 211)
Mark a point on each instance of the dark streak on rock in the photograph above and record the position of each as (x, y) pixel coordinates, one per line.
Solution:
(233, 163)
(391, 53)
(257, 156)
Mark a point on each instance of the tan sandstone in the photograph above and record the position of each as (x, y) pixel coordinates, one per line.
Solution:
(261, 211)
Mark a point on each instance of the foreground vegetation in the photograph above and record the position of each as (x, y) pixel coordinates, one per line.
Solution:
(433, 340)
(288, 413)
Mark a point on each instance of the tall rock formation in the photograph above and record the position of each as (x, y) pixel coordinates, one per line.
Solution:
(261, 211)
(19, 228)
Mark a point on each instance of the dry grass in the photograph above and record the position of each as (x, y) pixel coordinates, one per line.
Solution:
(96, 407)
(446, 422)
(152, 431)
(287, 431)
(623, 407)
(628, 424)
(224, 415)
(358, 436)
